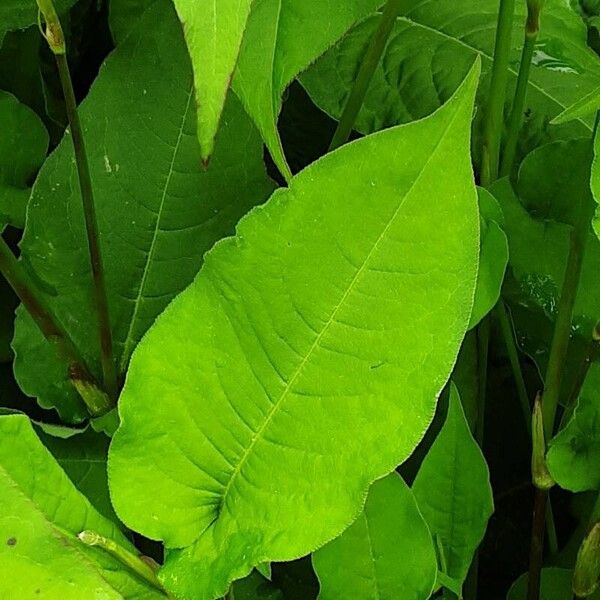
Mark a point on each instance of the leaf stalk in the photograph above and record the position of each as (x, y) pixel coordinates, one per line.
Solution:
(365, 73)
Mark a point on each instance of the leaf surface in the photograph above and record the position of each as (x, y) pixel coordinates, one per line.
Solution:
(581, 108)
(433, 46)
(555, 585)
(324, 329)
(159, 211)
(574, 453)
(386, 554)
(453, 491)
(282, 38)
(41, 514)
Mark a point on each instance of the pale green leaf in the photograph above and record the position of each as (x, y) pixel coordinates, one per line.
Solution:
(574, 454)
(41, 514)
(260, 406)
(282, 38)
(23, 147)
(159, 211)
(555, 585)
(432, 47)
(583, 107)
(213, 33)
(493, 257)
(453, 491)
(386, 554)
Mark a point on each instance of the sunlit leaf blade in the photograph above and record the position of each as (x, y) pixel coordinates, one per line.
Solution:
(263, 402)
(493, 257)
(583, 107)
(41, 513)
(453, 491)
(432, 47)
(574, 454)
(386, 554)
(159, 211)
(213, 33)
(282, 38)
(23, 147)
(555, 585)
(19, 14)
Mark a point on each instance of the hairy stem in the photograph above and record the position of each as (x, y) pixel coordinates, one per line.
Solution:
(494, 113)
(91, 224)
(365, 73)
(35, 304)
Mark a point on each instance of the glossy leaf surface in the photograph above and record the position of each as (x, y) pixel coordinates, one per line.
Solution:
(386, 554)
(329, 323)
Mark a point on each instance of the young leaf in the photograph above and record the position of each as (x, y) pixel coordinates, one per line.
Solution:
(432, 47)
(493, 257)
(159, 211)
(23, 147)
(282, 38)
(305, 360)
(453, 491)
(583, 107)
(555, 585)
(41, 514)
(386, 554)
(574, 454)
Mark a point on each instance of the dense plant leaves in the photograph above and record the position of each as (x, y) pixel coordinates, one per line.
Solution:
(255, 587)
(555, 585)
(23, 147)
(82, 455)
(386, 554)
(453, 491)
(41, 513)
(552, 177)
(158, 210)
(595, 183)
(213, 33)
(299, 352)
(493, 257)
(19, 14)
(538, 253)
(431, 48)
(574, 454)
(583, 107)
(282, 38)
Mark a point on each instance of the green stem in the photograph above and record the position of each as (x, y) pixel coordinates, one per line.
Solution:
(91, 224)
(494, 115)
(365, 73)
(34, 302)
(516, 116)
(141, 568)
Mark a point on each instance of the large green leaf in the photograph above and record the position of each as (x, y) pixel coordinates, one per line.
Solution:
(432, 47)
(305, 360)
(574, 454)
(159, 211)
(19, 14)
(23, 147)
(555, 585)
(386, 554)
(282, 38)
(453, 491)
(41, 514)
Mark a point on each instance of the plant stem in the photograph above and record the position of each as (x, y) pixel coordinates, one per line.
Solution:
(91, 223)
(494, 116)
(508, 334)
(53, 331)
(365, 73)
(556, 361)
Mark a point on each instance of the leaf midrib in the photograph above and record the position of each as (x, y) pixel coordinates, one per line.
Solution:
(140, 295)
(277, 404)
